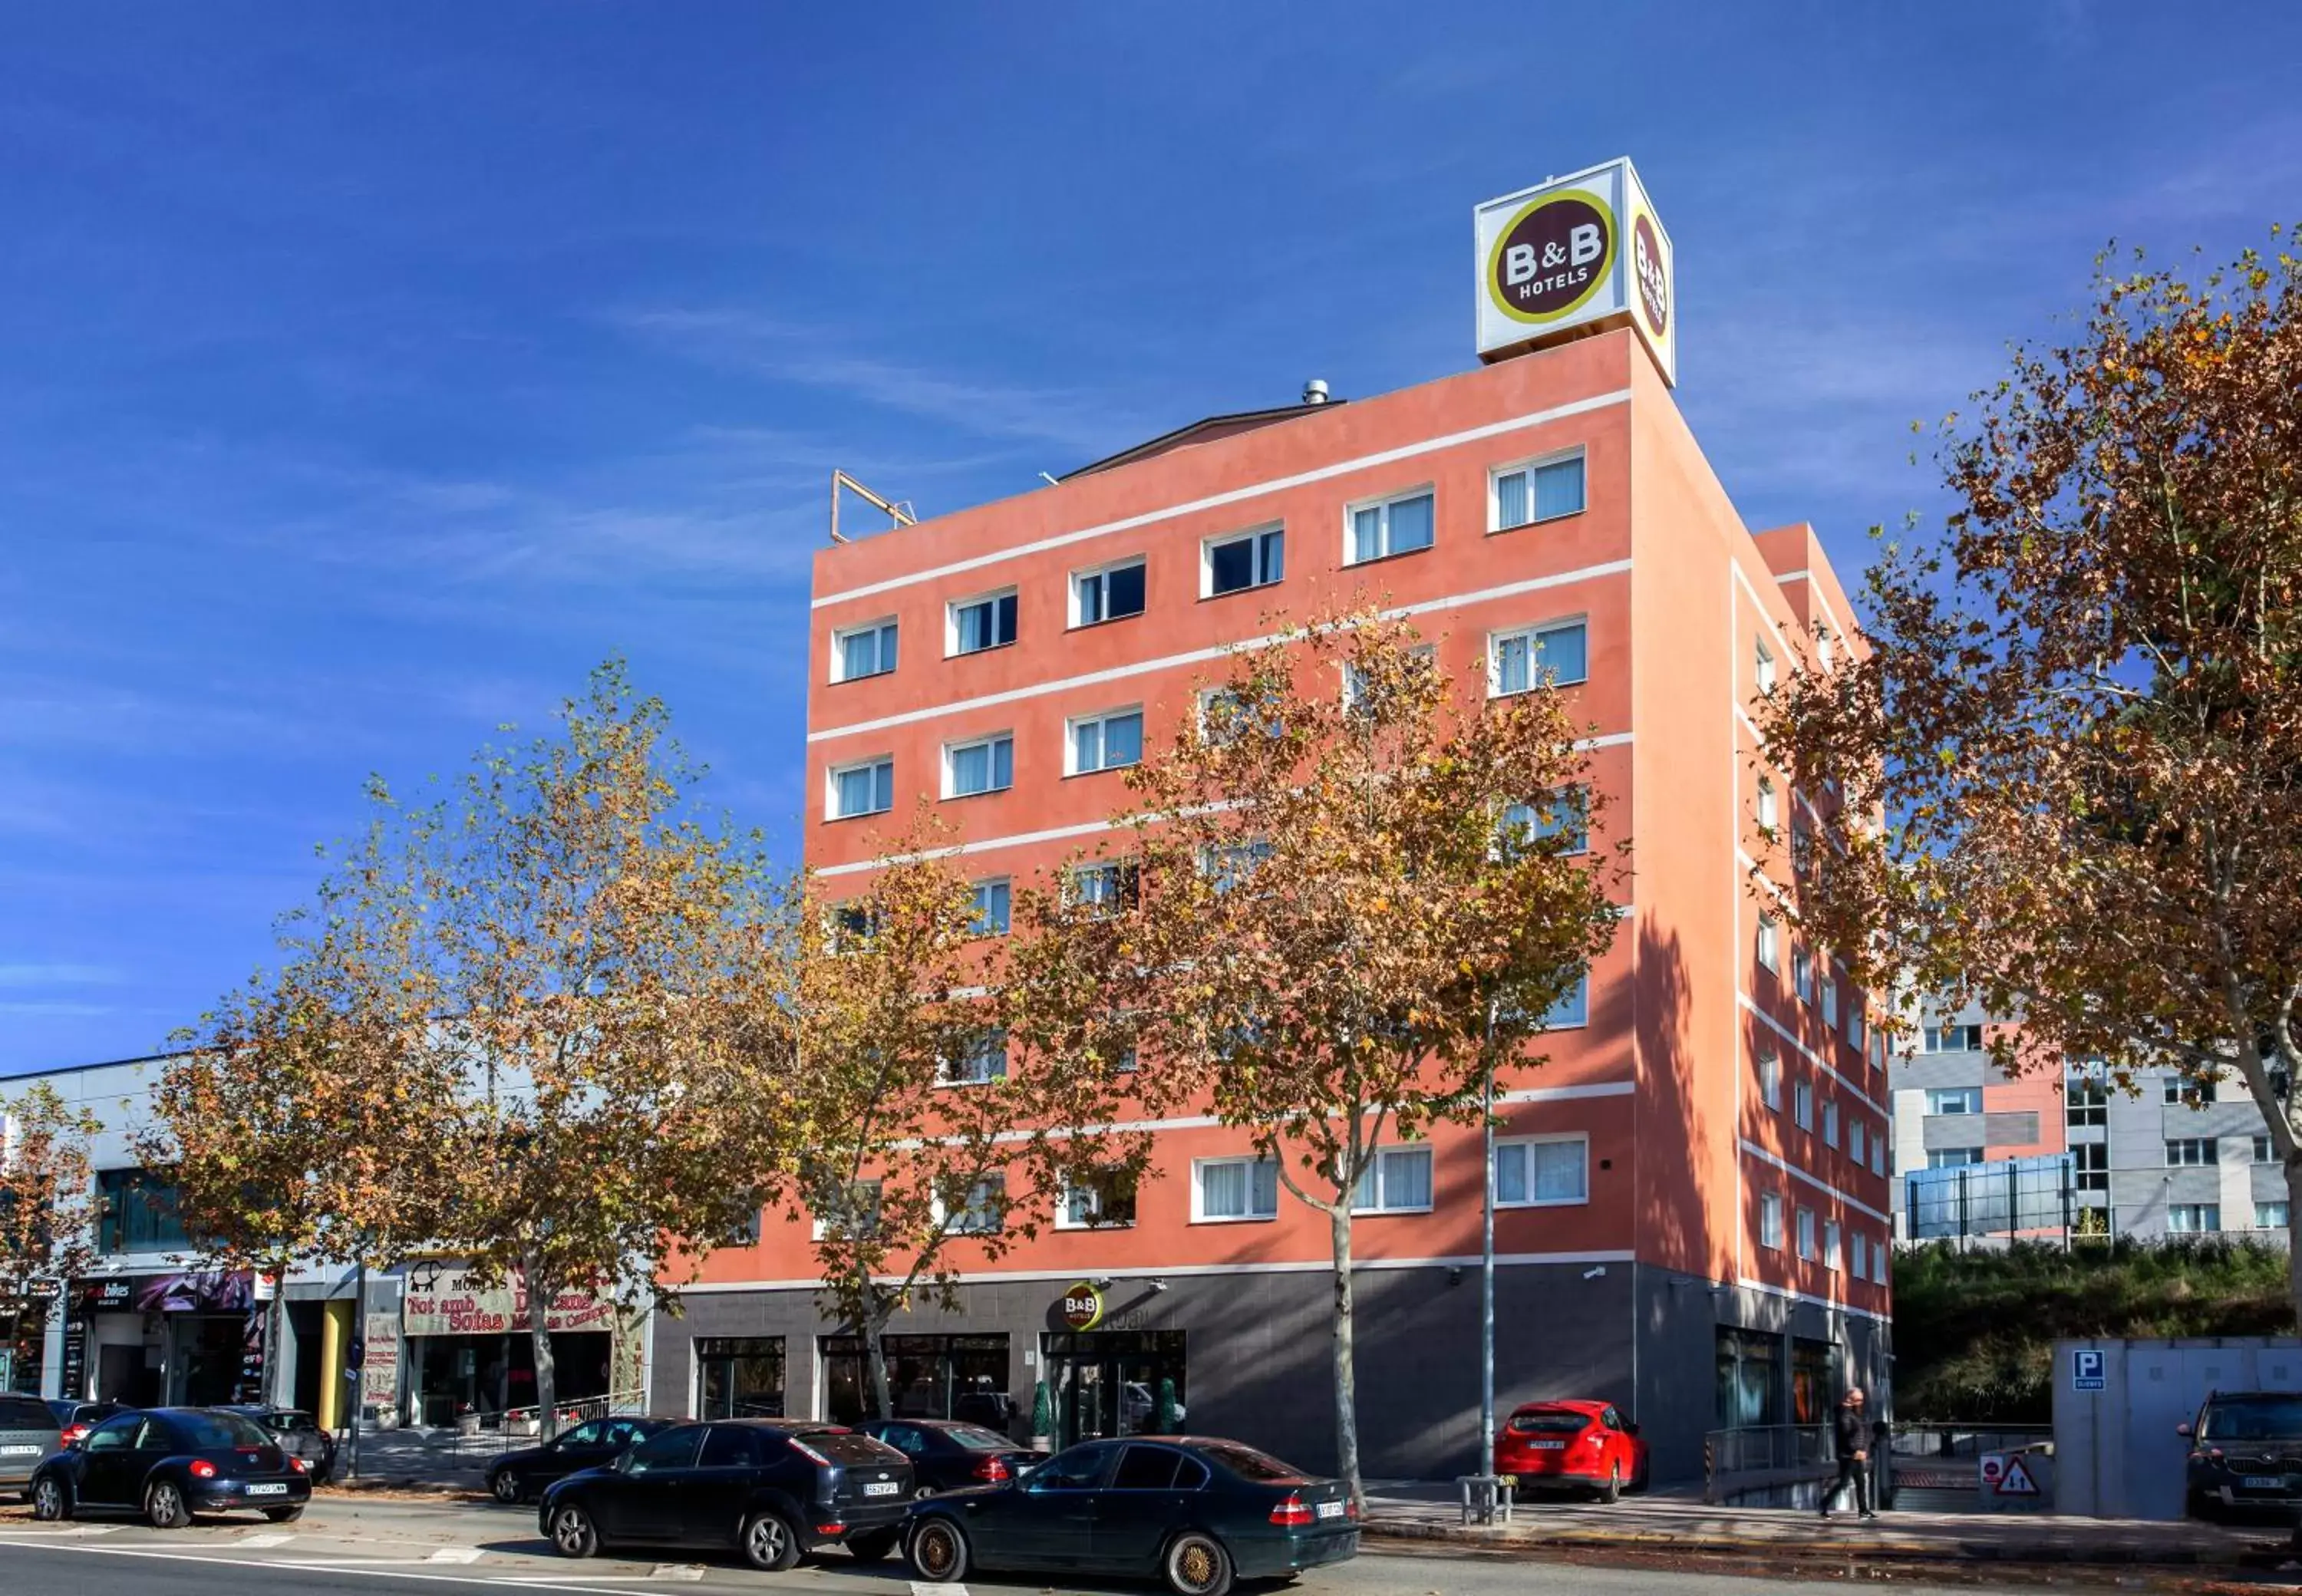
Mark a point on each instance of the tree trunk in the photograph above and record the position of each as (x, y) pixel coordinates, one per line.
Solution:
(2294, 1247)
(1347, 1396)
(538, 1330)
(874, 1361)
(275, 1337)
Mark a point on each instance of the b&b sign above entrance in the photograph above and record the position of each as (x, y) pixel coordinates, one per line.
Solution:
(1082, 1305)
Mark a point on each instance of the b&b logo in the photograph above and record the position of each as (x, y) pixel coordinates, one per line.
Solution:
(1553, 256)
(1654, 284)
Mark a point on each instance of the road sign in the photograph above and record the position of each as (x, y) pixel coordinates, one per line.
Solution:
(1994, 1468)
(2016, 1481)
(2087, 1370)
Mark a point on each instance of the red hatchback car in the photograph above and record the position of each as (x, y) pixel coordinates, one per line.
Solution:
(1572, 1445)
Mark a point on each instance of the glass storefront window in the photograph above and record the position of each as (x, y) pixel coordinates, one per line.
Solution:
(1116, 1382)
(1810, 1392)
(1750, 1378)
(928, 1377)
(739, 1377)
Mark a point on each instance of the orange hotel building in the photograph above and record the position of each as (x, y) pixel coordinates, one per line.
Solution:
(1695, 1221)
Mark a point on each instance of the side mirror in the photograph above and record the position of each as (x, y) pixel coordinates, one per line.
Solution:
(2183, 1429)
(1630, 1427)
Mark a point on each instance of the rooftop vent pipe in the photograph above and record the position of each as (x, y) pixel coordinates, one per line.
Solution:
(1314, 391)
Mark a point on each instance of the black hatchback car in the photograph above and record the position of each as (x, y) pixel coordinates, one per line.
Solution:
(169, 1463)
(771, 1490)
(949, 1456)
(1194, 1511)
(516, 1476)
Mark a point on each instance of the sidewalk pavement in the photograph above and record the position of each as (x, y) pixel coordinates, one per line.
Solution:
(1664, 1522)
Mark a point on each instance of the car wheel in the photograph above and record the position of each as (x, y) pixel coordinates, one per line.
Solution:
(573, 1533)
(282, 1515)
(49, 1503)
(938, 1552)
(769, 1542)
(1611, 1491)
(872, 1545)
(163, 1506)
(505, 1487)
(1197, 1564)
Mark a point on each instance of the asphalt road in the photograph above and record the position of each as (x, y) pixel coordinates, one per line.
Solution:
(374, 1549)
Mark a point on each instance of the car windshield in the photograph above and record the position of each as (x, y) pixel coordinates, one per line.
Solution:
(204, 1431)
(1249, 1464)
(1548, 1421)
(977, 1439)
(2252, 1418)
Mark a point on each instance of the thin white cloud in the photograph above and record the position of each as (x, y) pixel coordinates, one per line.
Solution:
(59, 975)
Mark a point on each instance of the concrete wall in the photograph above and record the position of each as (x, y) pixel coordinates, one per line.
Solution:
(2117, 1455)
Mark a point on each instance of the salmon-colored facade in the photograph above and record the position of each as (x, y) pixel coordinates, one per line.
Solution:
(1657, 1261)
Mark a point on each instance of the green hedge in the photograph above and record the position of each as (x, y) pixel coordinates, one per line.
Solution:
(1975, 1331)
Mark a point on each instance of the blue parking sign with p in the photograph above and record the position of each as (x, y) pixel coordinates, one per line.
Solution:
(2087, 1370)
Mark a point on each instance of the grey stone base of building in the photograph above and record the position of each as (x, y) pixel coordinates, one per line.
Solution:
(1258, 1350)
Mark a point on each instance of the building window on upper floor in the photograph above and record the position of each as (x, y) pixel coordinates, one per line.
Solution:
(1770, 1219)
(1423, 656)
(1806, 1232)
(1395, 1181)
(983, 1060)
(1802, 972)
(1769, 813)
(1861, 1247)
(1802, 1106)
(1542, 1171)
(1855, 1030)
(1770, 943)
(2194, 1219)
(2182, 1091)
(1830, 1124)
(1955, 1099)
(2090, 1165)
(1104, 886)
(1950, 1038)
(1953, 1157)
(1771, 1080)
(2270, 1216)
(1106, 742)
(1234, 1189)
(976, 625)
(853, 1212)
(980, 1210)
(1228, 864)
(2191, 1151)
(1877, 1050)
(1830, 1254)
(1878, 1153)
(868, 788)
(1878, 1260)
(1538, 491)
(136, 1214)
(986, 765)
(1107, 593)
(992, 901)
(866, 650)
(852, 927)
(2264, 1151)
(1395, 526)
(1573, 1009)
(1829, 1001)
(1559, 652)
(1762, 668)
(1855, 1134)
(1566, 814)
(1233, 564)
(1822, 646)
(1100, 1200)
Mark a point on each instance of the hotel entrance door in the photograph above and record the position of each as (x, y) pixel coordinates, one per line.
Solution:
(1108, 1382)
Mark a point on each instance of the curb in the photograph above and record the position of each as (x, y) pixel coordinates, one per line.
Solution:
(1838, 1551)
(370, 1485)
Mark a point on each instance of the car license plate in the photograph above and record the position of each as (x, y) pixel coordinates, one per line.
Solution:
(267, 1491)
(1330, 1509)
(1549, 1446)
(879, 1488)
(2266, 1483)
(17, 1451)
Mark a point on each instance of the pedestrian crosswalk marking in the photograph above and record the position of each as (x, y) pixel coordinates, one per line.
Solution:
(921, 1587)
(264, 1541)
(454, 1554)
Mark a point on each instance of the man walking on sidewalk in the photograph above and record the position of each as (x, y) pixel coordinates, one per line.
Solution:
(1852, 1436)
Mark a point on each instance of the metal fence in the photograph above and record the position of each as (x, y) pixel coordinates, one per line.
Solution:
(1753, 1450)
(2009, 1196)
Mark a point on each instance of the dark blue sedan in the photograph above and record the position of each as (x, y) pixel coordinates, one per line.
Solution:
(1191, 1510)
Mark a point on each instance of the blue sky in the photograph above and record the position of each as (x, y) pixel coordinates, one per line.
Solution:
(368, 372)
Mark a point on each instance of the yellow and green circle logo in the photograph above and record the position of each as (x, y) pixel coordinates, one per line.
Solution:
(1552, 256)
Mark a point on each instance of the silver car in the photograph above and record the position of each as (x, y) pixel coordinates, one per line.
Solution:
(29, 1436)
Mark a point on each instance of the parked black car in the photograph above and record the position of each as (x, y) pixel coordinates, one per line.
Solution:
(29, 1435)
(76, 1419)
(169, 1463)
(1194, 1511)
(2246, 1454)
(516, 1476)
(949, 1456)
(772, 1490)
(300, 1435)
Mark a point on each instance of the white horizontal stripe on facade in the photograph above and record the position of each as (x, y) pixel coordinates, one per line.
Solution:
(1279, 484)
(1147, 1271)
(1807, 1053)
(1764, 1156)
(1748, 1284)
(1120, 673)
(1087, 828)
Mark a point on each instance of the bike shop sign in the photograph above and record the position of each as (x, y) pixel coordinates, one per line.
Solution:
(1584, 251)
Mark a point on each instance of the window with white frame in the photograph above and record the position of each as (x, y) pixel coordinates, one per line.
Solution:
(854, 1213)
(974, 624)
(1518, 662)
(1423, 656)
(865, 651)
(1802, 1106)
(1234, 1189)
(1770, 1219)
(1243, 560)
(1953, 1157)
(1830, 1123)
(1573, 1008)
(1763, 668)
(1879, 1260)
(983, 765)
(1223, 715)
(1802, 972)
(1107, 885)
(1829, 1001)
(1854, 1134)
(1830, 1254)
(1855, 1030)
(2270, 1216)
(1107, 593)
(992, 903)
(1878, 1153)
(984, 1060)
(1542, 1171)
(1862, 1262)
(1771, 1080)
(1103, 1200)
(1806, 1232)
(1399, 525)
(1395, 1181)
(1822, 646)
(2264, 1151)
(1770, 943)
(2194, 1219)
(1565, 814)
(1768, 814)
(1954, 1099)
(981, 1210)
(864, 788)
(1539, 490)
(1228, 864)
(1106, 742)
(2189, 1150)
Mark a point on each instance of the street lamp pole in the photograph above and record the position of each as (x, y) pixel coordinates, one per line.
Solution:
(1487, 1252)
